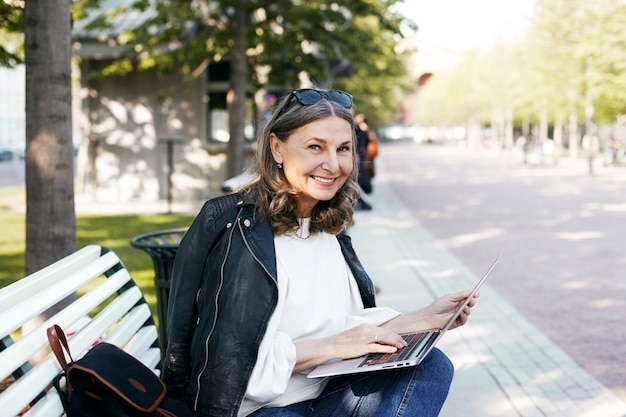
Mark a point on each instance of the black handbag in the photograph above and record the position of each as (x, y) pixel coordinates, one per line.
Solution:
(108, 382)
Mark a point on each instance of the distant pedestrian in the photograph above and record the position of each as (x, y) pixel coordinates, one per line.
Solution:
(367, 169)
(367, 150)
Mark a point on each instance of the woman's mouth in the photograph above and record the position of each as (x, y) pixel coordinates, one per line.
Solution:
(323, 180)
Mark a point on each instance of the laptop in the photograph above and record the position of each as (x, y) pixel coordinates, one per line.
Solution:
(418, 346)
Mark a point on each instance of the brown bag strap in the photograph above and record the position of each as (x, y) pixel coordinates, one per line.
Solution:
(161, 412)
(58, 342)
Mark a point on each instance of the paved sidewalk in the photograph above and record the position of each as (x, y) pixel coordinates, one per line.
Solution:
(504, 365)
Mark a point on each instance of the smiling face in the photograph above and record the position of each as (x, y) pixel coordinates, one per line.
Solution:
(316, 160)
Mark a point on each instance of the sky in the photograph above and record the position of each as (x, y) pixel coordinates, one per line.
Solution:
(466, 24)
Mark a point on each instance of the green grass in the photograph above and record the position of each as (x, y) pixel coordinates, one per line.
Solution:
(112, 231)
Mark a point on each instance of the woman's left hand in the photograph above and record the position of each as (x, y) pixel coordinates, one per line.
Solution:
(442, 308)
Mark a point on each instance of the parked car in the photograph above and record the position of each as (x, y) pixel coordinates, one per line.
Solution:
(6, 154)
(401, 132)
(236, 182)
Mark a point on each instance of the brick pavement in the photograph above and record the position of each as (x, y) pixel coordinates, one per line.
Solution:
(504, 365)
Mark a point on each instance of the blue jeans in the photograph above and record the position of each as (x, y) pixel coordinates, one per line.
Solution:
(418, 391)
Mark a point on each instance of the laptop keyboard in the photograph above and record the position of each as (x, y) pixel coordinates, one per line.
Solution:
(413, 340)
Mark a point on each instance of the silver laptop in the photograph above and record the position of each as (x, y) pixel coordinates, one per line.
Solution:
(418, 346)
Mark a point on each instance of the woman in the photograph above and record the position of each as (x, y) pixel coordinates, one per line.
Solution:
(266, 285)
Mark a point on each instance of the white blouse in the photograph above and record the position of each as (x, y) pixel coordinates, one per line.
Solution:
(317, 297)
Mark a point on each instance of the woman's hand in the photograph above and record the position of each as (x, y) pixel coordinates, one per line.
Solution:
(442, 309)
(352, 343)
(366, 339)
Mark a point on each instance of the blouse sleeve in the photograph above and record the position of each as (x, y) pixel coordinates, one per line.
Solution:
(361, 315)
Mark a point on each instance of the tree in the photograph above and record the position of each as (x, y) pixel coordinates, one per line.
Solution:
(604, 50)
(50, 216)
(46, 52)
(569, 68)
(11, 25)
(285, 36)
(268, 45)
(576, 51)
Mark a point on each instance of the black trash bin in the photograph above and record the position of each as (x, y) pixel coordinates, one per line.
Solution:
(161, 246)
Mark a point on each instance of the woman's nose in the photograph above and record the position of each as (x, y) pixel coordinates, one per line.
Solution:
(331, 162)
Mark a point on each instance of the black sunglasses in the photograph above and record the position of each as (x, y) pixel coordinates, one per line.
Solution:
(310, 96)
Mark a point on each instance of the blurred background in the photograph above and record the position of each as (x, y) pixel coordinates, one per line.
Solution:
(153, 82)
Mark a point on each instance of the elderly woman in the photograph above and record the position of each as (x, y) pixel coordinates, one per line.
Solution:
(266, 286)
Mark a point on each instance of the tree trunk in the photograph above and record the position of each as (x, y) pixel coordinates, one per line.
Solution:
(237, 94)
(543, 132)
(497, 127)
(558, 138)
(50, 215)
(508, 130)
(573, 136)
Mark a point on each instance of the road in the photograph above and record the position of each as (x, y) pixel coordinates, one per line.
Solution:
(11, 173)
(561, 232)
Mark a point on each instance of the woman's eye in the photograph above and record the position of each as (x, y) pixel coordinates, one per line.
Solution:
(344, 149)
(315, 147)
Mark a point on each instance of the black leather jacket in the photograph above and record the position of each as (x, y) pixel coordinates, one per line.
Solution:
(223, 292)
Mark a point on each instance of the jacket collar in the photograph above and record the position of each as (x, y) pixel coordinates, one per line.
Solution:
(258, 236)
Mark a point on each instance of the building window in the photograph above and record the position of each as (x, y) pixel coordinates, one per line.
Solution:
(218, 85)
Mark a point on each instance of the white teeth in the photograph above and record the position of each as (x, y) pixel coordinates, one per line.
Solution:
(325, 180)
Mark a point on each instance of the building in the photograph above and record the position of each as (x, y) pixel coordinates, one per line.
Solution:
(144, 136)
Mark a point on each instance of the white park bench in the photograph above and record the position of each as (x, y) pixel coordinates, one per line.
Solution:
(109, 307)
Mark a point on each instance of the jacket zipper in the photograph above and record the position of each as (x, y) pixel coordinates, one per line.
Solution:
(206, 342)
(274, 279)
(243, 236)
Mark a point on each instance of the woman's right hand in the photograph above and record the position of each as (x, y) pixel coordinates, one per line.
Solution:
(348, 344)
(364, 339)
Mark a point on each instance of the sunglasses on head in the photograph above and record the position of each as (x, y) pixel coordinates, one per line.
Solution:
(310, 96)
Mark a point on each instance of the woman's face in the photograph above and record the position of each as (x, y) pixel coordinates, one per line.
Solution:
(316, 159)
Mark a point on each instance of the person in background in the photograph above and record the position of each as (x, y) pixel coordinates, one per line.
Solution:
(266, 285)
(365, 161)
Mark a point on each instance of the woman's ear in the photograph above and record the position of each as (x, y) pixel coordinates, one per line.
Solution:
(275, 146)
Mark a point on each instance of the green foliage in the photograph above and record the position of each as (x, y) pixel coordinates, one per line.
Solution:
(577, 50)
(605, 54)
(80, 8)
(379, 73)
(288, 37)
(11, 28)
(573, 55)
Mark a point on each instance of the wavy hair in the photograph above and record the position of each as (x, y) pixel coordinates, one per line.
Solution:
(274, 196)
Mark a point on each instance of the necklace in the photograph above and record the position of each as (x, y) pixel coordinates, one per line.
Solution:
(302, 229)
(299, 235)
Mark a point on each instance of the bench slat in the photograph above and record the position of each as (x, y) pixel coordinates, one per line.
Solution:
(36, 340)
(102, 322)
(44, 298)
(25, 287)
(129, 326)
(50, 405)
(35, 381)
(152, 358)
(19, 394)
(124, 319)
(143, 341)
